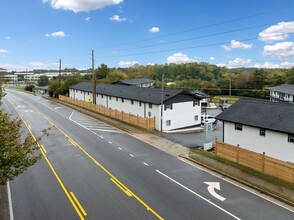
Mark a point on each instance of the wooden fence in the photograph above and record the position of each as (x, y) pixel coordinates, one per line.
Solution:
(265, 164)
(146, 123)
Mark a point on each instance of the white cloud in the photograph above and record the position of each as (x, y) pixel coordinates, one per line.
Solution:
(276, 32)
(81, 5)
(117, 18)
(154, 29)
(3, 51)
(56, 34)
(7, 37)
(266, 65)
(11, 67)
(283, 49)
(286, 65)
(237, 45)
(212, 58)
(238, 62)
(38, 65)
(127, 63)
(180, 58)
(87, 18)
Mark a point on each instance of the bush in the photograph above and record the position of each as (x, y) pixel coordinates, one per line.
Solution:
(29, 88)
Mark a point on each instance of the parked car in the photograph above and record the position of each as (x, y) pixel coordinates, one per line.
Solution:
(225, 106)
(208, 118)
(222, 101)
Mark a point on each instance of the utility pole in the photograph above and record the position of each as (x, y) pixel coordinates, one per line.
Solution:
(59, 77)
(230, 86)
(161, 112)
(94, 79)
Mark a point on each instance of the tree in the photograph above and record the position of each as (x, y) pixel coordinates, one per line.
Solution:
(16, 154)
(102, 71)
(290, 76)
(117, 75)
(211, 89)
(43, 81)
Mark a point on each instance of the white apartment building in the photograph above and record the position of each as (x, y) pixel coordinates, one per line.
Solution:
(261, 127)
(180, 109)
(139, 82)
(282, 93)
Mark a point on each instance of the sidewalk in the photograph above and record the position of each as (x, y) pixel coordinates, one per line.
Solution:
(181, 151)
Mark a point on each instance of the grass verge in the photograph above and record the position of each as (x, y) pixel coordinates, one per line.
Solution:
(246, 169)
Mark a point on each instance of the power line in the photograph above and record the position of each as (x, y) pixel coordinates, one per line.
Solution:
(198, 46)
(203, 27)
(199, 37)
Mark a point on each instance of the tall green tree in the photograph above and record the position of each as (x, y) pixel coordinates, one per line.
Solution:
(43, 81)
(102, 71)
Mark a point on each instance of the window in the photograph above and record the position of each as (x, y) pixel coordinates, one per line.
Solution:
(196, 118)
(196, 102)
(101, 96)
(132, 102)
(140, 103)
(122, 100)
(291, 138)
(109, 97)
(116, 99)
(168, 122)
(262, 132)
(88, 93)
(238, 126)
(168, 106)
(150, 105)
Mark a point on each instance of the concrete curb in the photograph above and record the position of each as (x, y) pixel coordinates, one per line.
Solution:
(240, 181)
(4, 204)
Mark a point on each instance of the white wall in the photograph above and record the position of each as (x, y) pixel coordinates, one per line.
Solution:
(274, 144)
(182, 115)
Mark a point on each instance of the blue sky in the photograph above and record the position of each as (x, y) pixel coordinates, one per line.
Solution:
(36, 34)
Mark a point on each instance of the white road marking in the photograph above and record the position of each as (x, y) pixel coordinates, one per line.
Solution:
(211, 187)
(196, 194)
(10, 202)
(132, 155)
(119, 148)
(110, 142)
(57, 107)
(113, 131)
(146, 164)
(71, 115)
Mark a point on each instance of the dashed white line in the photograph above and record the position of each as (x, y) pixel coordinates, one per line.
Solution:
(146, 164)
(119, 148)
(196, 194)
(132, 155)
(110, 142)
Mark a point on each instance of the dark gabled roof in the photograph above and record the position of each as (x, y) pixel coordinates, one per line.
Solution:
(200, 94)
(284, 88)
(134, 81)
(149, 95)
(263, 114)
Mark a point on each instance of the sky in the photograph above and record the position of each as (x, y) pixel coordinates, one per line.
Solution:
(35, 34)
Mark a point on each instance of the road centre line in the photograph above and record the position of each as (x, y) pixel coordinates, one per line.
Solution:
(132, 155)
(191, 191)
(98, 164)
(146, 164)
(50, 165)
(43, 148)
(121, 187)
(78, 203)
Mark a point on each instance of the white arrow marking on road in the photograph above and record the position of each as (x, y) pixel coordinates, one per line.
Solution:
(211, 187)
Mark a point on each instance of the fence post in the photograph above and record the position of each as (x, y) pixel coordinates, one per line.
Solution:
(137, 120)
(263, 161)
(238, 147)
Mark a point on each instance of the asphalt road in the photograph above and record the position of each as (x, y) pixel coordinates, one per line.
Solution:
(114, 176)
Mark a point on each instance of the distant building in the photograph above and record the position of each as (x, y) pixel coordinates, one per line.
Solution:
(282, 93)
(181, 110)
(139, 82)
(261, 127)
(41, 89)
(203, 96)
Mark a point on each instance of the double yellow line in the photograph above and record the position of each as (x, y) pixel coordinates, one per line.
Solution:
(113, 178)
(42, 149)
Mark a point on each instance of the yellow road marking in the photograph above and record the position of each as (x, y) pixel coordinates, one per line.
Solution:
(50, 165)
(29, 127)
(96, 162)
(119, 186)
(78, 203)
(43, 148)
(71, 142)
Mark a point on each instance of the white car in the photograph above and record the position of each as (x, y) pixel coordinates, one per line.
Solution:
(208, 118)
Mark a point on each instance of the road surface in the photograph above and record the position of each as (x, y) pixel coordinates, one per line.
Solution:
(91, 170)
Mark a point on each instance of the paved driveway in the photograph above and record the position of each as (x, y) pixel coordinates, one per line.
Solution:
(196, 139)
